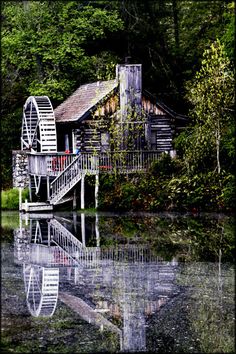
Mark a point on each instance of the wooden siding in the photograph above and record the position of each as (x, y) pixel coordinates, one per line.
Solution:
(109, 107)
(91, 140)
(158, 125)
(87, 138)
(159, 128)
(162, 130)
(77, 139)
(151, 108)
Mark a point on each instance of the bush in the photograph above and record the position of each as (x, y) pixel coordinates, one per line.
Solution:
(162, 191)
(166, 166)
(10, 198)
(204, 191)
(229, 192)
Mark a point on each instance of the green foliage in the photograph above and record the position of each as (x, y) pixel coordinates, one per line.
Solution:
(10, 198)
(52, 41)
(10, 220)
(116, 193)
(50, 48)
(10, 140)
(229, 192)
(228, 148)
(163, 191)
(201, 191)
(166, 166)
(228, 35)
(189, 238)
(211, 93)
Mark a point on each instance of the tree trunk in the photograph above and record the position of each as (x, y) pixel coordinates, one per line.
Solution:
(26, 5)
(218, 146)
(176, 23)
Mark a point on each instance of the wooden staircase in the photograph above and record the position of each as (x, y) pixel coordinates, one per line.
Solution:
(70, 176)
(85, 256)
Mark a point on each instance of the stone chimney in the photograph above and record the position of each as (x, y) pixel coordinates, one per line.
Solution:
(129, 77)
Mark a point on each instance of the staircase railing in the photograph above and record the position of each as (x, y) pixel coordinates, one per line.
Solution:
(87, 256)
(82, 164)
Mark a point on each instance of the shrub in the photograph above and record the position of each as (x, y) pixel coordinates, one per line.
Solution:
(10, 198)
(229, 192)
(166, 166)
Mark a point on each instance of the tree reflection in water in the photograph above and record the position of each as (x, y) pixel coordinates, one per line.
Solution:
(128, 281)
(123, 286)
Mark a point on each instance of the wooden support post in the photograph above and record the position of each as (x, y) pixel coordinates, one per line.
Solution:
(96, 189)
(75, 222)
(20, 225)
(26, 219)
(26, 206)
(49, 235)
(48, 188)
(83, 229)
(74, 200)
(82, 193)
(75, 275)
(97, 231)
(20, 198)
(30, 189)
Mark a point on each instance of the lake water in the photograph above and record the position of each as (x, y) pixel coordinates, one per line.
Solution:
(103, 282)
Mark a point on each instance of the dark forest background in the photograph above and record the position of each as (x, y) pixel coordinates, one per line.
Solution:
(52, 47)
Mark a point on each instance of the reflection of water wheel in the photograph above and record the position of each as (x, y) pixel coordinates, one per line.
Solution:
(38, 125)
(41, 287)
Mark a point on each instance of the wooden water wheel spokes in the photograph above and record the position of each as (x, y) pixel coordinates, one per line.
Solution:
(38, 125)
(41, 287)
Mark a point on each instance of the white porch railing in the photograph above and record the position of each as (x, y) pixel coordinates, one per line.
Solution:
(52, 164)
(48, 164)
(127, 161)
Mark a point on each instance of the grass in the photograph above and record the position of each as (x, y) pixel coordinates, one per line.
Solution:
(10, 219)
(10, 198)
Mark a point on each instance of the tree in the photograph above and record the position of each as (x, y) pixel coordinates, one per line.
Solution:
(50, 48)
(211, 94)
(228, 35)
(53, 46)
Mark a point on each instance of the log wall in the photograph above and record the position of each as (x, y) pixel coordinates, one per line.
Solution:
(158, 130)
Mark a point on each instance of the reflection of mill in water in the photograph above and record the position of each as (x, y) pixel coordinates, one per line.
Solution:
(126, 282)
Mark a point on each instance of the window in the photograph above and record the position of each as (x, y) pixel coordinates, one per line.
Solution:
(153, 140)
(105, 142)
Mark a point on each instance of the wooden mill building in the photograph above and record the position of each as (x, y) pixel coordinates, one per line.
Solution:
(104, 126)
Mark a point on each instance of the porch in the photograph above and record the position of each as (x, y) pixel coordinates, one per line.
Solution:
(53, 164)
(56, 175)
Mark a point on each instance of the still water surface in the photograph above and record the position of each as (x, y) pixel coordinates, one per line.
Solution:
(88, 283)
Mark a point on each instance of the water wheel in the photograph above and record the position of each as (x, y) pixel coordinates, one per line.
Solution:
(38, 125)
(41, 287)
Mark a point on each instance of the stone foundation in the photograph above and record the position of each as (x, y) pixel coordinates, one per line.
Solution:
(20, 177)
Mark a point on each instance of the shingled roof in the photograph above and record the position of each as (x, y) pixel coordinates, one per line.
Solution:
(85, 98)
